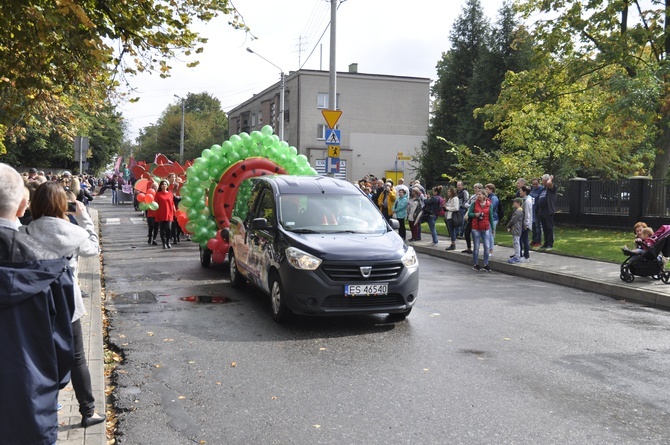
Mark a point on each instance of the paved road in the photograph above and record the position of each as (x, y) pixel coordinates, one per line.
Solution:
(484, 358)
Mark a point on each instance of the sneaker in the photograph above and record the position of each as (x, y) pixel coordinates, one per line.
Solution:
(466, 251)
(514, 260)
(524, 260)
(547, 249)
(452, 247)
(476, 267)
(487, 268)
(435, 244)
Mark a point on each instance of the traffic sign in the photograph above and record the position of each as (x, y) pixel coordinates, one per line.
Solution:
(333, 151)
(331, 116)
(404, 158)
(332, 165)
(333, 137)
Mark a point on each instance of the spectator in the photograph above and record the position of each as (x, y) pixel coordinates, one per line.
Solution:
(174, 182)
(165, 213)
(32, 174)
(644, 242)
(535, 191)
(463, 198)
(430, 208)
(481, 215)
(400, 212)
(515, 226)
(467, 222)
(113, 184)
(546, 208)
(415, 206)
(53, 229)
(452, 207)
(36, 305)
(495, 203)
(386, 198)
(527, 223)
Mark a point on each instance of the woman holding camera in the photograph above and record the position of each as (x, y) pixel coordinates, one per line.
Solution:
(480, 214)
(51, 226)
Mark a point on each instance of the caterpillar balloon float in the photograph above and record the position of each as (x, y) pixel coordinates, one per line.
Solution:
(213, 183)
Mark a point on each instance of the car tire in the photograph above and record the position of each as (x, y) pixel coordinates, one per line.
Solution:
(205, 256)
(280, 312)
(401, 315)
(236, 279)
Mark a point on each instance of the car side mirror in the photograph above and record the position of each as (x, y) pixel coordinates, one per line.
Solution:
(395, 225)
(259, 224)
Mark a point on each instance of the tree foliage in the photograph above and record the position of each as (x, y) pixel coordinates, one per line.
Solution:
(55, 54)
(621, 42)
(205, 124)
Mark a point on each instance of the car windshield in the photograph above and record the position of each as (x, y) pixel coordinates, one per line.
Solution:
(330, 214)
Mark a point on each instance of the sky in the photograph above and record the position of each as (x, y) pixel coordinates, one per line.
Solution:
(383, 37)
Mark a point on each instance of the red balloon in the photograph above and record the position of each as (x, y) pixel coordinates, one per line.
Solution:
(218, 256)
(141, 197)
(213, 244)
(148, 198)
(151, 192)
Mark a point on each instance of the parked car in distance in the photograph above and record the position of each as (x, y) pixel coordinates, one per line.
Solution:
(318, 246)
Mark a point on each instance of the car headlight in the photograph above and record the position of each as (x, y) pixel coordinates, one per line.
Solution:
(302, 260)
(409, 259)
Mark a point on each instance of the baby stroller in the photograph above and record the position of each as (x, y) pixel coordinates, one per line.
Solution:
(650, 263)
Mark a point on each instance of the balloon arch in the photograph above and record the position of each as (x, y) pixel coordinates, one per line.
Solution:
(213, 183)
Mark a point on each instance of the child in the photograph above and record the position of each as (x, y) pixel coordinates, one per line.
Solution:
(644, 242)
(515, 226)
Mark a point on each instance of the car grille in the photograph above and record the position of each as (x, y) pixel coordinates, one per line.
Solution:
(365, 301)
(345, 272)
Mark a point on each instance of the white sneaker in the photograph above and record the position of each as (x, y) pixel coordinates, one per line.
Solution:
(434, 244)
(524, 260)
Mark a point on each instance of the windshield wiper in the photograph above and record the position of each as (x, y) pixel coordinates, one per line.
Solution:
(345, 231)
(303, 231)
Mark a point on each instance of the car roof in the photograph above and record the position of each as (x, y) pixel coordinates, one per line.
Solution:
(288, 184)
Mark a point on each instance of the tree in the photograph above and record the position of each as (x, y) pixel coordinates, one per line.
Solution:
(454, 72)
(205, 124)
(590, 37)
(53, 54)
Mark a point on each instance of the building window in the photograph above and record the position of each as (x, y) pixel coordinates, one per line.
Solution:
(260, 118)
(322, 100)
(253, 120)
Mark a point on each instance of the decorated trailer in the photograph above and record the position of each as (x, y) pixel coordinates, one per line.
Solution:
(213, 182)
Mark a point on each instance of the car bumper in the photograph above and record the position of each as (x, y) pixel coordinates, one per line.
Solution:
(312, 293)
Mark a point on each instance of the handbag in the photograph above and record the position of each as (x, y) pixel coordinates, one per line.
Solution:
(456, 218)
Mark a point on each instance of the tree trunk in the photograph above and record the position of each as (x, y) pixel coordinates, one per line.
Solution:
(660, 169)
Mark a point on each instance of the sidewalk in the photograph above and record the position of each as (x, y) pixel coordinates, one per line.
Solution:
(579, 273)
(70, 431)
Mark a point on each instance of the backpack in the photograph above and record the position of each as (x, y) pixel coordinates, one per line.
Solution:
(441, 211)
(501, 211)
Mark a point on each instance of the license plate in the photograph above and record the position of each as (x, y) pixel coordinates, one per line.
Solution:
(353, 290)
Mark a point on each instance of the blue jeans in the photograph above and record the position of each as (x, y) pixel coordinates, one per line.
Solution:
(537, 230)
(431, 226)
(461, 227)
(525, 245)
(484, 236)
(115, 197)
(491, 234)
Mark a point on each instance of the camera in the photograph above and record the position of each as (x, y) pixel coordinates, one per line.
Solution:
(481, 216)
(72, 207)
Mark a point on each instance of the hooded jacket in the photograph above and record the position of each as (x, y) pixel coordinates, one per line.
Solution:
(36, 305)
(68, 240)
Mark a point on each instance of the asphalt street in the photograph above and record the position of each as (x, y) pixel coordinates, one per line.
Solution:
(483, 358)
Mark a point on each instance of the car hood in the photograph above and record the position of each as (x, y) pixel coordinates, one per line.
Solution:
(345, 246)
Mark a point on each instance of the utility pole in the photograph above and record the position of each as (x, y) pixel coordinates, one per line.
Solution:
(332, 76)
(181, 139)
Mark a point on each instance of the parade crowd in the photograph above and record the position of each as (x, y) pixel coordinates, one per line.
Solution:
(472, 217)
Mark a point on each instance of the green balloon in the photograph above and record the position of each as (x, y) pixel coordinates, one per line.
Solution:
(199, 163)
(204, 174)
(191, 226)
(292, 151)
(143, 206)
(153, 205)
(267, 130)
(267, 141)
(187, 201)
(206, 153)
(226, 146)
(256, 136)
(275, 138)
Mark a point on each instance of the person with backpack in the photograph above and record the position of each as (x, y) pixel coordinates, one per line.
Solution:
(431, 208)
(497, 214)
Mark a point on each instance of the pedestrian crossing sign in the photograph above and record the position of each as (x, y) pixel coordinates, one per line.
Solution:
(332, 137)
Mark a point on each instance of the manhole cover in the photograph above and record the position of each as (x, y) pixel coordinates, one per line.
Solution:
(135, 298)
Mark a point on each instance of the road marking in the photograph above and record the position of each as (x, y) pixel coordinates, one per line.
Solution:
(137, 220)
(113, 221)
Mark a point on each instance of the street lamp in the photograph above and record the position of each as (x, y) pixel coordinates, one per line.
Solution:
(281, 94)
(181, 140)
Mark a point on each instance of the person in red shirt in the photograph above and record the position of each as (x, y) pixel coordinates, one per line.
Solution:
(480, 214)
(151, 221)
(165, 213)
